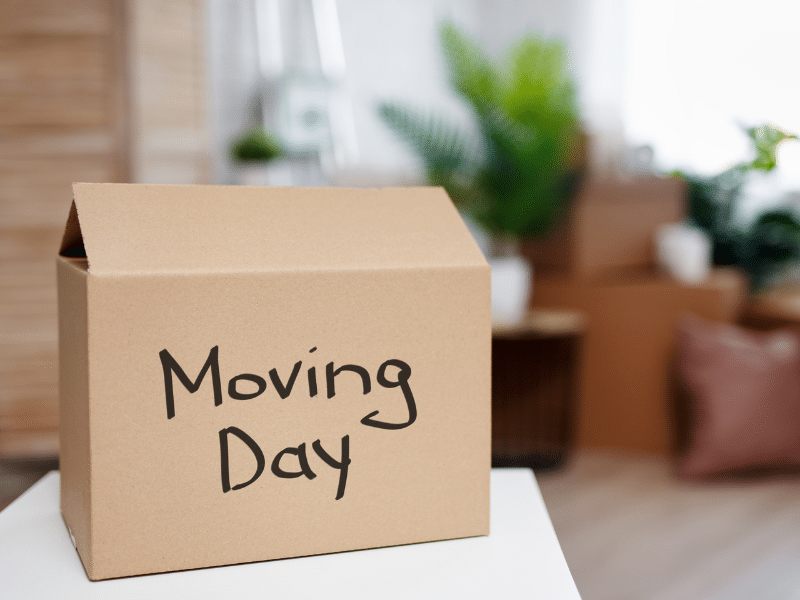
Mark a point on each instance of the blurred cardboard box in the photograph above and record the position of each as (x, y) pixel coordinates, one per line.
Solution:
(609, 226)
(261, 373)
(601, 261)
(626, 386)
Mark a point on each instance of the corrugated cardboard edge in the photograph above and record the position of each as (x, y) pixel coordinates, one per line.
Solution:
(73, 342)
(73, 237)
(138, 229)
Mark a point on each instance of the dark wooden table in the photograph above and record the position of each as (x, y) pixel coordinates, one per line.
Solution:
(534, 388)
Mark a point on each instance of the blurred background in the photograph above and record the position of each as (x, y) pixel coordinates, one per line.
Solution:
(630, 170)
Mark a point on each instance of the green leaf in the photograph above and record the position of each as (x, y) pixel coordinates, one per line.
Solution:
(441, 145)
(766, 140)
(471, 74)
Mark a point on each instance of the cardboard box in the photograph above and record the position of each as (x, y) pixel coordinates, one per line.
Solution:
(609, 227)
(626, 394)
(260, 373)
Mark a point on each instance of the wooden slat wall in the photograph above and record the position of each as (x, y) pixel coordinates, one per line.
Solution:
(90, 90)
(58, 94)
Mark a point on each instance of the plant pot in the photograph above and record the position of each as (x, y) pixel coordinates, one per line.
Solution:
(512, 283)
(275, 173)
(512, 274)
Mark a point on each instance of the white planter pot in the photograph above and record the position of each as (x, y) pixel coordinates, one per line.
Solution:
(511, 289)
(275, 173)
(512, 275)
(684, 252)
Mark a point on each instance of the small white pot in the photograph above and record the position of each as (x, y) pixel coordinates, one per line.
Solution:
(684, 252)
(511, 289)
(512, 275)
(274, 173)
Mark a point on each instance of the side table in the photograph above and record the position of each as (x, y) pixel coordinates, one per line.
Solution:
(521, 558)
(535, 383)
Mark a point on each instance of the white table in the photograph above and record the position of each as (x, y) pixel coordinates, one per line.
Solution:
(520, 559)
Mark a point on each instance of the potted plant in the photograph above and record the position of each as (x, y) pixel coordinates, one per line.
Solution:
(767, 244)
(514, 175)
(252, 152)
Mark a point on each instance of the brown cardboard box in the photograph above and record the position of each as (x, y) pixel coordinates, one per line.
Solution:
(260, 373)
(610, 226)
(626, 388)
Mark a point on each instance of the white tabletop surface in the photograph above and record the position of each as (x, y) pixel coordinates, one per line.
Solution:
(520, 559)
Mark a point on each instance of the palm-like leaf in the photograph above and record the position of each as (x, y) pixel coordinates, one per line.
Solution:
(536, 88)
(449, 155)
(471, 74)
(522, 178)
(516, 177)
(441, 146)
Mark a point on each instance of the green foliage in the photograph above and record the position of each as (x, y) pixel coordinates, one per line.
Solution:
(256, 145)
(442, 147)
(772, 240)
(514, 178)
(470, 71)
(449, 156)
(766, 140)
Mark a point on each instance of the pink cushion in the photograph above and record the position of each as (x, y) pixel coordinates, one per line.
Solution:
(746, 386)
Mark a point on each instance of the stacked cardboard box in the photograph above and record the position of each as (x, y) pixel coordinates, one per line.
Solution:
(600, 261)
(609, 227)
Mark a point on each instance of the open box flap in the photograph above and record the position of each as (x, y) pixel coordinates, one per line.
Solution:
(134, 228)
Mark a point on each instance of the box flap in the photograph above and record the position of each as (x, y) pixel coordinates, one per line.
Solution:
(135, 228)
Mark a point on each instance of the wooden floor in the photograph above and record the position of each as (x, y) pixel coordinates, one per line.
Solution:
(631, 531)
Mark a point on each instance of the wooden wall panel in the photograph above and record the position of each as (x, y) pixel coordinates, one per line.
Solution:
(58, 80)
(90, 90)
